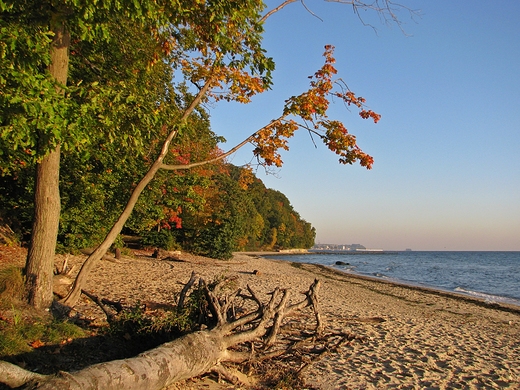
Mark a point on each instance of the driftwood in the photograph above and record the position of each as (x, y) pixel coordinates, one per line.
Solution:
(161, 254)
(89, 251)
(189, 356)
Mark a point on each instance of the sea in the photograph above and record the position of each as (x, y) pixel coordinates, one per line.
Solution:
(491, 276)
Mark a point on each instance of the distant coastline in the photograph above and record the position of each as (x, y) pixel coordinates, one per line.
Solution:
(357, 252)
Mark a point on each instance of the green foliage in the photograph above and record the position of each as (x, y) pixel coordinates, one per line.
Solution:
(216, 241)
(173, 322)
(131, 321)
(206, 212)
(17, 202)
(277, 224)
(32, 112)
(164, 239)
(115, 46)
(126, 89)
(242, 217)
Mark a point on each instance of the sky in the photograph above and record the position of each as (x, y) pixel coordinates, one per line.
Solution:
(447, 148)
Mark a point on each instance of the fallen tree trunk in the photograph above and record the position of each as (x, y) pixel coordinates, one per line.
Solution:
(191, 355)
(183, 358)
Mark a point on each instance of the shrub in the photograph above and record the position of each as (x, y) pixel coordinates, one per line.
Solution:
(164, 239)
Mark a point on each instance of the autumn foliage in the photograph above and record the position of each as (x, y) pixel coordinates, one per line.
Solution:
(309, 111)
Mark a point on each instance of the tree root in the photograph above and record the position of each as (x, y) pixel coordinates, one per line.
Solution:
(226, 340)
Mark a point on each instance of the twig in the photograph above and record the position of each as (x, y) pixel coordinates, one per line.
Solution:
(99, 302)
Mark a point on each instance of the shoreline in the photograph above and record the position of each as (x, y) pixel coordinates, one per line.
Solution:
(429, 338)
(507, 303)
(405, 336)
(504, 306)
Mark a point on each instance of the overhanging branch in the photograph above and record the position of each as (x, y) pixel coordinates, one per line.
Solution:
(169, 167)
(274, 10)
(197, 164)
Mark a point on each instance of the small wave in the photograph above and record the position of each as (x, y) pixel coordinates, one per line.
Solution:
(489, 298)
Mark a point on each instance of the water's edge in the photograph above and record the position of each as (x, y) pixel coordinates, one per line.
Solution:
(481, 299)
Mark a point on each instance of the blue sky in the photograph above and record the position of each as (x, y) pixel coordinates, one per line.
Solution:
(447, 159)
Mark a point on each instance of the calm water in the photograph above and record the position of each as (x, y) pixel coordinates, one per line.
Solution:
(494, 276)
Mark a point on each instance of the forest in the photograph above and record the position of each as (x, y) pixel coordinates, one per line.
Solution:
(211, 211)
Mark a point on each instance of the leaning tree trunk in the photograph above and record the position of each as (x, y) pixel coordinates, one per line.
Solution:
(40, 258)
(82, 277)
(191, 355)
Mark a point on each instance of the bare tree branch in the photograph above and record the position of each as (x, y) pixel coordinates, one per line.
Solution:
(386, 9)
(221, 156)
(274, 10)
(185, 289)
(309, 11)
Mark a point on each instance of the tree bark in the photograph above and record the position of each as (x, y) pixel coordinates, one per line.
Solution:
(39, 268)
(183, 358)
(40, 258)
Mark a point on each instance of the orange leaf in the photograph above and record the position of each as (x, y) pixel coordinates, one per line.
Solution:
(37, 344)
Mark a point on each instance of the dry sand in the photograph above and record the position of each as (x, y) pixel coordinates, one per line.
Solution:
(409, 338)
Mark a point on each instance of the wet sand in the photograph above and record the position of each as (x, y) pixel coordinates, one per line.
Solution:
(408, 337)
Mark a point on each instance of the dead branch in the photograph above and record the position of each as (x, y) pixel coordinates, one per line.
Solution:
(185, 289)
(311, 300)
(191, 355)
(109, 313)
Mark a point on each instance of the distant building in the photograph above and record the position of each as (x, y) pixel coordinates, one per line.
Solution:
(338, 247)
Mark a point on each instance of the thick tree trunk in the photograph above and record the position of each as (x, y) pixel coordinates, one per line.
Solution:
(39, 268)
(40, 258)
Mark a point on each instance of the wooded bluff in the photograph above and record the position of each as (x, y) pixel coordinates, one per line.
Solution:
(212, 211)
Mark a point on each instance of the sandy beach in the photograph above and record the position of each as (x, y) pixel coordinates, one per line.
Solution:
(406, 337)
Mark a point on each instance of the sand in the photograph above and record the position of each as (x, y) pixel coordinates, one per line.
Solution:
(407, 337)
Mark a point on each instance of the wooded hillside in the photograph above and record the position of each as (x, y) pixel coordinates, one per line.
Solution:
(211, 211)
